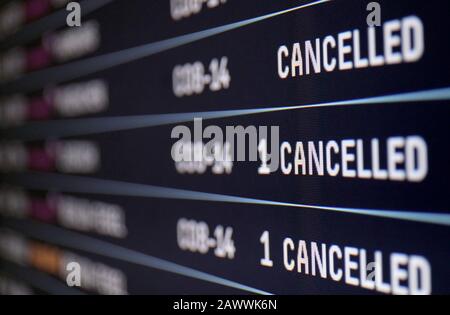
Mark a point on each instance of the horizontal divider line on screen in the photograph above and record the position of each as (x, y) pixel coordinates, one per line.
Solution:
(92, 65)
(38, 279)
(85, 185)
(61, 237)
(89, 126)
(50, 22)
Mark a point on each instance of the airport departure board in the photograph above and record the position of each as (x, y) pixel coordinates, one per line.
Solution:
(224, 147)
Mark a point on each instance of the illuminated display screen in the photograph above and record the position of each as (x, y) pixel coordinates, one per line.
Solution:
(224, 147)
